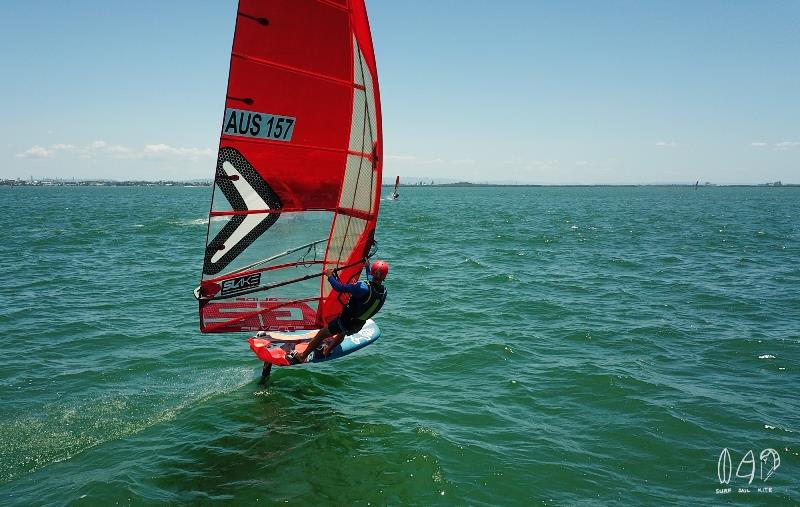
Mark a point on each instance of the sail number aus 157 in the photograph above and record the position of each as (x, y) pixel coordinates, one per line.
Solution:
(262, 125)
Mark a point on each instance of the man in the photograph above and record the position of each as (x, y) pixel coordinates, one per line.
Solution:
(366, 298)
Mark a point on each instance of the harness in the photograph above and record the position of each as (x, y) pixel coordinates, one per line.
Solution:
(363, 310)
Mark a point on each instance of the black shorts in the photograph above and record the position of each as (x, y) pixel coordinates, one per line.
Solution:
(345, 324)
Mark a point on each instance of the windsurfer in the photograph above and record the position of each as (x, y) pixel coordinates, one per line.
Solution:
(366, 300)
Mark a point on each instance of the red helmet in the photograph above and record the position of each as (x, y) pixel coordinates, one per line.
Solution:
(379, 269)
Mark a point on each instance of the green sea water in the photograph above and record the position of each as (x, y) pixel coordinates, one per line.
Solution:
(541, 346)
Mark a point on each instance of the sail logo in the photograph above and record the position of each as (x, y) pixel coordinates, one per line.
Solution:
(240, 283)
(245, 190)
(239, 122)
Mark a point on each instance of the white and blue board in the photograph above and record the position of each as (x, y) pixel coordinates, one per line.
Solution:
(274, 346)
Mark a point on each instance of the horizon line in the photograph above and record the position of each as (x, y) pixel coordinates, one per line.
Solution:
(204, 181)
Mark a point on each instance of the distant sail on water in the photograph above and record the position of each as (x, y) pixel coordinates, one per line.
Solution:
(297, 180)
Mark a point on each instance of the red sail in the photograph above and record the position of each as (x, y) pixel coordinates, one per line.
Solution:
(297, 182)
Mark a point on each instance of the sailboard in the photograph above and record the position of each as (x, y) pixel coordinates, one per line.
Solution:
(275, 346)
(395, 195)
(298, 174)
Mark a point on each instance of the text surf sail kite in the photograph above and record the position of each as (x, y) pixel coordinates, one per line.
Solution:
(297, 181)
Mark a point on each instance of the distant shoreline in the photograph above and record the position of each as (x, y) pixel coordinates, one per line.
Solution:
(101, 183)
(622, 185)
(462, 184)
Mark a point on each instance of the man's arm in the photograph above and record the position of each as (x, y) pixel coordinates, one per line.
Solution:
(356, 289)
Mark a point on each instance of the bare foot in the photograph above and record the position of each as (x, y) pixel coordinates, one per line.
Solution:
(295, 358)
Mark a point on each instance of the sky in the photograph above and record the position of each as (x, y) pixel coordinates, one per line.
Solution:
(568, 92)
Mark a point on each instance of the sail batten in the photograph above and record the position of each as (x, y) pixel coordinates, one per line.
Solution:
(299, 146)
(299, 159)
(305, 72)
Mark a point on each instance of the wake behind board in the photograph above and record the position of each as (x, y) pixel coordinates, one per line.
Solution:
(274, 347)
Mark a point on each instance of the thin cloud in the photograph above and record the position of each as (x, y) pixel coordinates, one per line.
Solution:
(120, 151)
(36, 151)
(431, 161)
(462, 161)
(783, 145)
(443, 161)
(167, 151)
(542, 165)
(666, 144)
(101, 149)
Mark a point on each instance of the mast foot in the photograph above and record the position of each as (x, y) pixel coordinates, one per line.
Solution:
(265, 372)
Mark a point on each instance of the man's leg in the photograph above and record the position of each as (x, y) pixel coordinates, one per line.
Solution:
(326, 350)
(313, 344)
